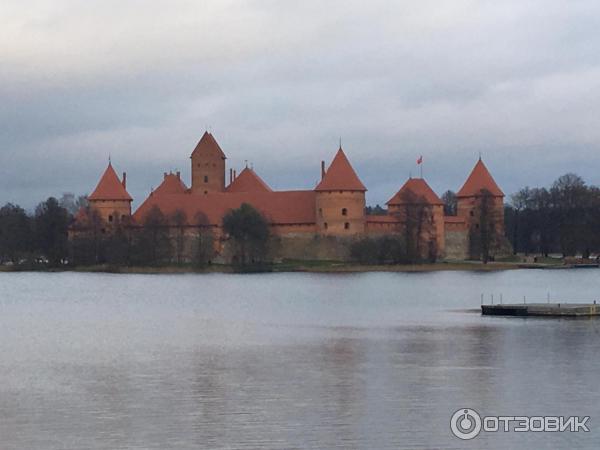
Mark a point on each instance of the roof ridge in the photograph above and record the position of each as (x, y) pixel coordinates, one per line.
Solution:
(480, 179)
(419, 187)
(340, 175)
(208, 144)
(248, 181)
(110, 187)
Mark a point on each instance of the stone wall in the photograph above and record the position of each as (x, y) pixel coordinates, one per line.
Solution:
(299, 246)
(457, 243)
(310, 247)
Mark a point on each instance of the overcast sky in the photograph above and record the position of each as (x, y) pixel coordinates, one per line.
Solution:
(279, 82)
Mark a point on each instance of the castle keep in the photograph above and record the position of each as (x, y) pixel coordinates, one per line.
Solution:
(316, 223)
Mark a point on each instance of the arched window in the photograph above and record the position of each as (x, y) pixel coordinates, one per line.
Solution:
(206, 178)
(344, 212)
(347, 226)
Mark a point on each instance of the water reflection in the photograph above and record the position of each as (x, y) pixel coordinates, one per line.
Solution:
(280, 361)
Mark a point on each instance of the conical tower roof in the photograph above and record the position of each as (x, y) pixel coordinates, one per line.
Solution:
(208, 146)
(479, 179)
(417, 187)
(110, 187)
(340, 176)
(248, 181)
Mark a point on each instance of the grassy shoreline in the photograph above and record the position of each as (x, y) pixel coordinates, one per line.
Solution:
(298, 266)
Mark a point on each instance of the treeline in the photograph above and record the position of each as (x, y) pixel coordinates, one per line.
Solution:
(167, 240)
(416, 243)
(564, 218)
(159, 240)
(42, 239)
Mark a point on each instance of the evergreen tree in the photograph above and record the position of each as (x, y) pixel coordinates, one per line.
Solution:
(16, 236)
(51, 223)
(249, 232)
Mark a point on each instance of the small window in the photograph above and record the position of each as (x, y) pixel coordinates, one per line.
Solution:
(477, 226)
(320, 212)
(198, 164)
(325, 225)
(206, 178)
(344, 212)
(346, 226)
(472, 213)
(205, 192)
(110, 218)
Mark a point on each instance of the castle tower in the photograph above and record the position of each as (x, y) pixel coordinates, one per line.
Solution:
(208, 166)
(110, 198)
(340, 199)
(480, 187)
(417, 202)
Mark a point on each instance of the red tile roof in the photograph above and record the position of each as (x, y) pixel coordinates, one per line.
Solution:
(479, 179)
(171, 184)
(280, 208)
(208, 146)
(248, 181)
(110, 187)
(340, 176)
(419, 188)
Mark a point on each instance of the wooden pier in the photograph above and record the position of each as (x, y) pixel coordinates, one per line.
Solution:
(542, 309)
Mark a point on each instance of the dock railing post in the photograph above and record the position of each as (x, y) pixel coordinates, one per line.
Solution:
(492, 296)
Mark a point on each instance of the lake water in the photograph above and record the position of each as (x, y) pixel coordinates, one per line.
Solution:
(379, 360)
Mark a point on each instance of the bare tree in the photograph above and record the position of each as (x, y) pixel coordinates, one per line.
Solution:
(484, 235)
(450, 204)
(204, 249)
(419, 228)
(179, 222)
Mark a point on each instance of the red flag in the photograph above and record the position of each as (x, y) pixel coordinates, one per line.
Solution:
(420, 159)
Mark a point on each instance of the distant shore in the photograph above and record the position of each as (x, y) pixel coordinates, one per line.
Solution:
(299, 266)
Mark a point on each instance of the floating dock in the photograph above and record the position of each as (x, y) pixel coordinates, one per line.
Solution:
(542, 309)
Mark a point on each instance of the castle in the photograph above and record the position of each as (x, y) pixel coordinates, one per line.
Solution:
(308, 224)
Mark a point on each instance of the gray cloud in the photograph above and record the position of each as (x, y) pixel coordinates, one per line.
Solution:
(280, 82)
